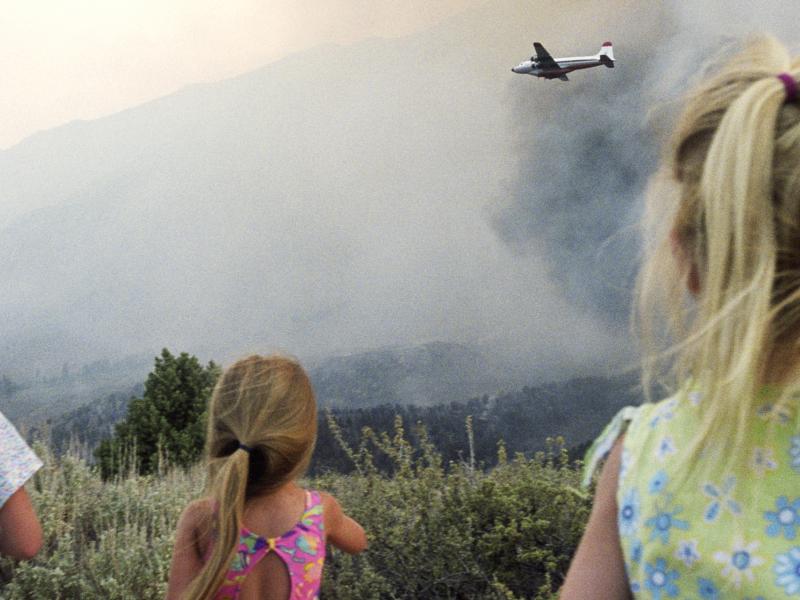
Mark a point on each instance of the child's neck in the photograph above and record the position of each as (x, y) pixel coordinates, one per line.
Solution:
(290, 488)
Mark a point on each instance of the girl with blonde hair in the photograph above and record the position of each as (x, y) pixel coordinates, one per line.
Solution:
(699, 496)
(258, 534)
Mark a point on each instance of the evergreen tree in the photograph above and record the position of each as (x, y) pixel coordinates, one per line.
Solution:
(167, 421)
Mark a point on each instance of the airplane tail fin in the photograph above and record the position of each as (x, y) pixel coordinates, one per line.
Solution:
(606, 55)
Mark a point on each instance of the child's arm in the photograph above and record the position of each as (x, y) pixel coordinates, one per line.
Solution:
(187, 558)
(598, 570)
(20, 531)
(342, 531)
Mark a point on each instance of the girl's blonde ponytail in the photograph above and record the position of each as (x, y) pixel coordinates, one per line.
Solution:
(229, 498)
(736, 222)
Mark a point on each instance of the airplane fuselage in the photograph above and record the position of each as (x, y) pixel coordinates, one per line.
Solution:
(565, 65)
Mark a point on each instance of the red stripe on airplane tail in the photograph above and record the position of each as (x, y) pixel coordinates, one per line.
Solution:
(606, 44)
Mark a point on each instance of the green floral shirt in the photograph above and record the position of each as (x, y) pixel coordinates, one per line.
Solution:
(718, 534)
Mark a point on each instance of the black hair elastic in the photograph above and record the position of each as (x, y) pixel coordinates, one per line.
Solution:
(247, 449)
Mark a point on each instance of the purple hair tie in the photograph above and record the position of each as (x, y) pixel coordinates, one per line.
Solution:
(791, 86)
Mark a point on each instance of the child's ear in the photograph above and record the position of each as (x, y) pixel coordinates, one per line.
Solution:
(683, 259)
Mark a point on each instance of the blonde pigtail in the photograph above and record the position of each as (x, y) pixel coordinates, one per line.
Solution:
(228, 493)
(734, 223)
(740, 261)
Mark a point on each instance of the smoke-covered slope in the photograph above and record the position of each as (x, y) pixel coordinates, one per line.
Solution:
(331, 201)
(434, 373)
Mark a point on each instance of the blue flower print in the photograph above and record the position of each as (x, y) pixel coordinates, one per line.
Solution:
(720, 498)
(665, 447)
(665, 412)
(787, 569)
(660, 580)
(663, 521)
(776, 414)
(794, 452)
(687, 552)
(739, 562)
(624, 464)
(763, 460)
(636, 552)
(707, 589)
(712, 512)
(629, 513)
(785, 519)
(658, 482)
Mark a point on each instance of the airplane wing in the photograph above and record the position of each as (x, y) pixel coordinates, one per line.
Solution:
(543, 57)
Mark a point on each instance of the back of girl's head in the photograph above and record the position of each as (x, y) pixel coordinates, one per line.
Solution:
(262, 424)
(266, 404)
(733, 225)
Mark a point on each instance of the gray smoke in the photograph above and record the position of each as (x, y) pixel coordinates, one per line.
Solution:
(331, 202)
(587, 148)
(581, 174)
(335, 200)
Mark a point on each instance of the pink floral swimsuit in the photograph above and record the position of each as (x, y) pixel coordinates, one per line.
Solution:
(302, 549)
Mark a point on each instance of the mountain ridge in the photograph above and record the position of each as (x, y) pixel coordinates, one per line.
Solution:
(332, 200)
(367, 390)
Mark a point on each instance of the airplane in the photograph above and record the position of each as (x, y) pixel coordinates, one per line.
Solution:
(544, 65)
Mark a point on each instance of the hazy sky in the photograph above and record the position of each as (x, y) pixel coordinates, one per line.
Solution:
(83, 59)
(449, 199)
(387, 240)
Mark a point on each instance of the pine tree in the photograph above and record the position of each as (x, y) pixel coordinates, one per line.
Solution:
(168, 421)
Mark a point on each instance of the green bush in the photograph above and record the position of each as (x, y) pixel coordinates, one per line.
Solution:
(457, 532)
(109, 539)
(435, 531)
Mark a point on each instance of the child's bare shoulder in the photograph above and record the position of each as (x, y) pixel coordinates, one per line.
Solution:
(343, 531)
(331, 509)
(195, 522)
(198, 511)
(328, 501)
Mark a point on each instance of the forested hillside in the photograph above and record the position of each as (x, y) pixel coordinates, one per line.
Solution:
(33, 397)
(425, 374)
(73, 396)
(575, 410)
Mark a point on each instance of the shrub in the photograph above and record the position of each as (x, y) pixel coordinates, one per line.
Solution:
(109, 539)
(457, 532)
(435, 530)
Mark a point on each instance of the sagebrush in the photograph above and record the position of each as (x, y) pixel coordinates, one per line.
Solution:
(435, 530)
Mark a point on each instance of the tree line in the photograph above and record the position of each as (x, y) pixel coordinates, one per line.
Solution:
(167, 422)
